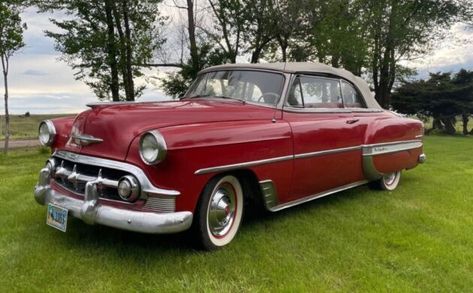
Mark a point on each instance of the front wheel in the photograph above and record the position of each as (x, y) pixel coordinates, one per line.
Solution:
(219, 212)
(389, 181)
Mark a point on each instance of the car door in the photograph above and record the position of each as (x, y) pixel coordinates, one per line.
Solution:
(327, 137)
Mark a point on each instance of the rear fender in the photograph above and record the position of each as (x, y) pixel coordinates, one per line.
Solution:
(391, 145)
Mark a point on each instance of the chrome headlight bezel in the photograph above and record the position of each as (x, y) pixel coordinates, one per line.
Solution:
(46, 127)
(153, 147)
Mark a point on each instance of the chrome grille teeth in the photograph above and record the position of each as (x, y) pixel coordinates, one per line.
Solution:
(73, 177)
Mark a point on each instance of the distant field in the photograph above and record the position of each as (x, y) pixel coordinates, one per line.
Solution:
(22, 127)
(415, 239)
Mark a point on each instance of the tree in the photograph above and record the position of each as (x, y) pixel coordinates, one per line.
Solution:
(442, 97)
(11, 40)
(228, 27)
(107, 42)
(402, 29)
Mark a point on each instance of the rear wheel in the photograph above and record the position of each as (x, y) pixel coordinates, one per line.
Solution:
(388, 182)
(219, 212)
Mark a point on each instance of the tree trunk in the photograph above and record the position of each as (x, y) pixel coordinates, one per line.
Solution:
(449, 123)
(112, 52)
(7, 114)
(192, 39)
(121, 34)
(465, 123)
(437, 124)
(130, 90)
(255, 55)
(283, 44)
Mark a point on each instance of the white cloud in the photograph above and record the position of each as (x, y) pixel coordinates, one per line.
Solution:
(452, 53)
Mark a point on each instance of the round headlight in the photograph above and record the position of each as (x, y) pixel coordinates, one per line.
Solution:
(152, 148)
(47, 133)
(128, 188)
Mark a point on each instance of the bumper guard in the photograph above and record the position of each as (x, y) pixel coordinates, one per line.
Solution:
(92, 212)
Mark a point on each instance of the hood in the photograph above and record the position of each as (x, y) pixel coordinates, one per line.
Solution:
(118, 125)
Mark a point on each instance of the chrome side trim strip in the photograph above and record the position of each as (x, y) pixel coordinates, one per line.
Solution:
(146, 185)
(315, 196)
(327, 152)
(367, 150)
(391, 147)
(242, 165)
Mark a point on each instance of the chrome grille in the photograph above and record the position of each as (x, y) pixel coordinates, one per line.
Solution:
(161, 205)
(73, 172)
(74, 176)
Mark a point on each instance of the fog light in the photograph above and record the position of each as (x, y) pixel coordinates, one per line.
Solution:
(128, 188)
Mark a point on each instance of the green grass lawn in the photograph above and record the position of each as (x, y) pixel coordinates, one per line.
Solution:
(22, 127)
(417, 238)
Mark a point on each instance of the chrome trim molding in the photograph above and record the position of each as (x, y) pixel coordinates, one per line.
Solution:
(270, 195)
(146, 185)
(97, 104)
(242, 165)
(390, 147)
(327, 152)
(369, 170)
(315, 196)
(92, 212)
(85, 139)
(368, 150)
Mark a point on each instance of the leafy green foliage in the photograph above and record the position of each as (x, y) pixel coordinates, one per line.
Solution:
(443, 96)
(11, 40)
(11, 29)
(107, 42)
(362, 36)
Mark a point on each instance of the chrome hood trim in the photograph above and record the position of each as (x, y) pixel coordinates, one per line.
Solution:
(85, 139)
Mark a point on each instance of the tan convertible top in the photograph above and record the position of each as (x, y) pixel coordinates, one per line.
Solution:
(307, 67)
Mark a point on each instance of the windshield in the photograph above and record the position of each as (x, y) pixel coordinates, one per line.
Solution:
(251, 86)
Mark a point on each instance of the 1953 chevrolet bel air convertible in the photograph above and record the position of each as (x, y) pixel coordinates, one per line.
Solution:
(282, 133)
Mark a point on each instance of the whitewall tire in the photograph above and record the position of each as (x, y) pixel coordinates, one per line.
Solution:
(390, 181)
(219, 212)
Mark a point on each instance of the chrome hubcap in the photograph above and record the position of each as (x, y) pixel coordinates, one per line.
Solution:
(222, 210)
(390, 178)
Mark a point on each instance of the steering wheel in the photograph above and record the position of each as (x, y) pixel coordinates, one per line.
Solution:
(268, 98)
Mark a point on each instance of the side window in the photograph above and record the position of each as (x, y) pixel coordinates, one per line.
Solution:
(315, 92)
(351, 97)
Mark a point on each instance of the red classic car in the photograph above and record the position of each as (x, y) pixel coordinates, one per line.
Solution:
(281, 134)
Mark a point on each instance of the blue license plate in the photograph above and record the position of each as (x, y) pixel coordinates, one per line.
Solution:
(57, 217)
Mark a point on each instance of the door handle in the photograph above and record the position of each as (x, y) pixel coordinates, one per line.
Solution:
(352, 121)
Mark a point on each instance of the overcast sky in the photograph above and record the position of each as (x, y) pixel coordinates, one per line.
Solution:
(41, 83)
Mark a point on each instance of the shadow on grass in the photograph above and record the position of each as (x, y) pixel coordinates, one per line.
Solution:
(83, 237)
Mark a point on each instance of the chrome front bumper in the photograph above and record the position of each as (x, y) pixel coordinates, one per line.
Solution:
(92, 212)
